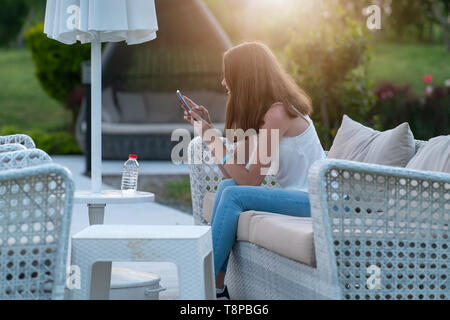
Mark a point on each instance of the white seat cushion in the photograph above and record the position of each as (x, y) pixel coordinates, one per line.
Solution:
(208, 202)
(288, 236)
(291, 237)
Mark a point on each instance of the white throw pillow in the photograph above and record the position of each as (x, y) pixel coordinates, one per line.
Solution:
(132, 107)
(433, 156)
(109, 109)
(356, 142)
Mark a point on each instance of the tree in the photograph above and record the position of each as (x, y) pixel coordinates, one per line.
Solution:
(327, 57)
(440, 11)
(35, 13)
(12, 16)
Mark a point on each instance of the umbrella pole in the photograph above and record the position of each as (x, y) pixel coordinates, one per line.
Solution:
(96, 115)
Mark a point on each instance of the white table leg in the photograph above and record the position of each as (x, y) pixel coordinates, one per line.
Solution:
(96, 213)
(101, 281)
(101, 271)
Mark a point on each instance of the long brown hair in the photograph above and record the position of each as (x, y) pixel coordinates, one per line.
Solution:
(256, 81)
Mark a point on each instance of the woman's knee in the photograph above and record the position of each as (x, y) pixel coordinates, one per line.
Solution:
(228, 183)
(232, 194)
(225, 184)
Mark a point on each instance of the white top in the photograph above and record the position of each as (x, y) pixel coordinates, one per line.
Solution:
(112, 197)
(295, 157)
(143, 232)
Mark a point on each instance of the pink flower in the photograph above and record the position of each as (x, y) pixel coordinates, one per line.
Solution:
(428, 78)
(389, 94)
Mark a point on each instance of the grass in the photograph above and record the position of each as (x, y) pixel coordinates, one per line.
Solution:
(407, 64)
(179, 190)
(23, 103)
(171, 190)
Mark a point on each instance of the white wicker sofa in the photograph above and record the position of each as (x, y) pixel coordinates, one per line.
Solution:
(376, 232)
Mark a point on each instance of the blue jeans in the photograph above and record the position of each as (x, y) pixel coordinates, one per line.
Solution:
(231, 200)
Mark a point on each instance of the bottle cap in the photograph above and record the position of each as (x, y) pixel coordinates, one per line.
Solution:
(132, 156)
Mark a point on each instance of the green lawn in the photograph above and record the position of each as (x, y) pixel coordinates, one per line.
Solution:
(408, 63)
(22, 101)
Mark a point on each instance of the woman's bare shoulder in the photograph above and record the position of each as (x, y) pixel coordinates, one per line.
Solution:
(276, 113)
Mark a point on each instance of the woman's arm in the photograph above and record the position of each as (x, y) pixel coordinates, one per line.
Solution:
(268, 141)
(245, 144)
(267, 144)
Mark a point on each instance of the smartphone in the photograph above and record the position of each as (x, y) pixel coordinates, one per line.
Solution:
(180, 96)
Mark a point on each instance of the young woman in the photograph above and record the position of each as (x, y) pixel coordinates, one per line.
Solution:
(261, 96)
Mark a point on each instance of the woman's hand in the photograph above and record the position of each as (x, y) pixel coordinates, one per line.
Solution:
(200, 110)
(199, 118)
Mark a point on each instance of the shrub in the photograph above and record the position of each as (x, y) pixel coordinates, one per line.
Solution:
(59, 142)
(12, 16)
(331, 66)
(428, 116)
(58, 66)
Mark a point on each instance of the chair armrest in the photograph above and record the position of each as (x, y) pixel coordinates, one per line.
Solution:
(11, 147)
(18, 138)
(204, 177)
(367, 215)
(23, 158)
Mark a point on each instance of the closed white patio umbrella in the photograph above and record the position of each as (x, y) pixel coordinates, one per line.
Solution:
(97, 21)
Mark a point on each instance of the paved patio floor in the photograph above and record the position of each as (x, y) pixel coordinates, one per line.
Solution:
(138, 214)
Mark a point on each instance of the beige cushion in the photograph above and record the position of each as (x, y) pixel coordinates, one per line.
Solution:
(208, 202)
(356, 142)
(288, 236)
(433, 156)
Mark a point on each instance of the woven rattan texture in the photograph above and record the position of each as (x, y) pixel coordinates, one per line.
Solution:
(10, 147)
(35, 213)
(18, 138)
(389, 230)
(23, 158)
(205, 176)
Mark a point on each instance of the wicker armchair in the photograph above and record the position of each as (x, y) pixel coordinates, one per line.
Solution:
(10, 147)
(379, 233)
(35, 215)
(382, 231)
(18, 138)
(23, 158)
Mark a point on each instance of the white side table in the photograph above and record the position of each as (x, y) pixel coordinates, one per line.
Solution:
(189, 247)
(96, 203)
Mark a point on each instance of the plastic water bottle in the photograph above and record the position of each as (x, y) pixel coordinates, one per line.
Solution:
(130, 175)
